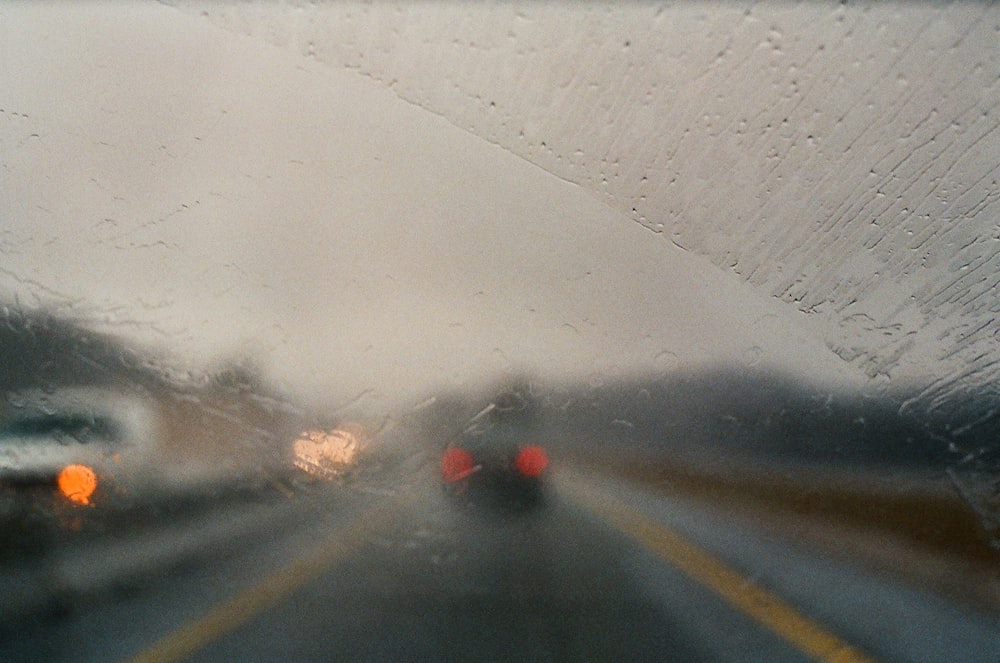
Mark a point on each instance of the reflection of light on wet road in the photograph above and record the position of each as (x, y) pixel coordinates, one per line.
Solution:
(77, 483)
(765, 607)
(241, 608)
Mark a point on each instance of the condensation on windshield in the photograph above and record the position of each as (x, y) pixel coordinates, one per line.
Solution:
(258, 229)
(841, 159)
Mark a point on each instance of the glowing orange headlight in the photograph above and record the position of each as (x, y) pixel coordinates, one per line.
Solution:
(77, 483)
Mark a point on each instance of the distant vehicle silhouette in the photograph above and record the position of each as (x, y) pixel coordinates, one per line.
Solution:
(495, 458)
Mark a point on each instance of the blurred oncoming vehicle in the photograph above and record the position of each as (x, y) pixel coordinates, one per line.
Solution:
(329, 454)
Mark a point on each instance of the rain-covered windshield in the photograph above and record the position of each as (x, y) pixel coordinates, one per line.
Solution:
(516, 331)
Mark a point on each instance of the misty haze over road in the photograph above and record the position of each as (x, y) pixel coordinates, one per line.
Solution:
(271, 259)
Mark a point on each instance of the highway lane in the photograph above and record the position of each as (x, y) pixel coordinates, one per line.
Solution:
(397, 572)
(475, 582)
(834, 607)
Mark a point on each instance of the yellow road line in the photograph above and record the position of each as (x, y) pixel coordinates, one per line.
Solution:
(762, 605)
(241, 608)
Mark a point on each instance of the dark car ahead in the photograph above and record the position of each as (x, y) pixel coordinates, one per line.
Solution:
(496, 458)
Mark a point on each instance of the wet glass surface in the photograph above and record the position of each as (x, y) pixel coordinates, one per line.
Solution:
(454, 331)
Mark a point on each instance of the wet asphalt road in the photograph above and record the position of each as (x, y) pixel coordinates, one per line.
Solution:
(394, 571)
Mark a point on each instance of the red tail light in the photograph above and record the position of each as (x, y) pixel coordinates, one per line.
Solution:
(456, 464)
(531, 461)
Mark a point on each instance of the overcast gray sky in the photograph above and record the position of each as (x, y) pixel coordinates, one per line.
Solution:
(231, 195)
